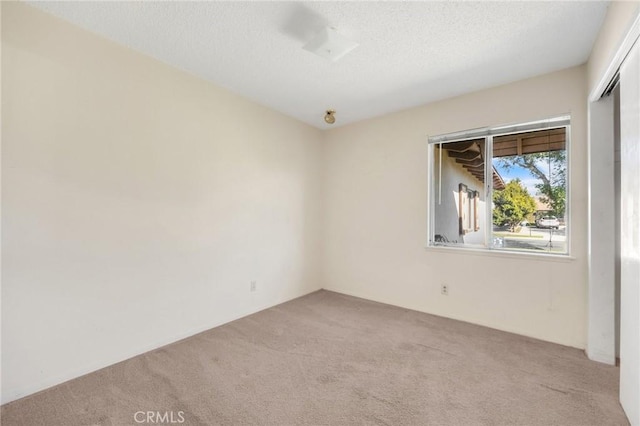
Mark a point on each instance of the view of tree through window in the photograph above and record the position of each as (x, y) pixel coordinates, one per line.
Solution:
(530, 212)
(524, 205)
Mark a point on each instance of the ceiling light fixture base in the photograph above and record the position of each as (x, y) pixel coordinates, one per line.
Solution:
(329, 44)
(329, 117)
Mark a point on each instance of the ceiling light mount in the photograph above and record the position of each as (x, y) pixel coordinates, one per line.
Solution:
(329, 117)
(329, 44)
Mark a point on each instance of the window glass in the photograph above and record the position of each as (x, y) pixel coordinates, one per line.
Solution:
(530, 212)
(459, 210)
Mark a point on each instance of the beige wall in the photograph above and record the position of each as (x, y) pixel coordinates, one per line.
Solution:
(620, 16)
(376, 217)
(138, 203)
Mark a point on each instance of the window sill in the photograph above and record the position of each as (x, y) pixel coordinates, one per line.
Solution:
(545, 257)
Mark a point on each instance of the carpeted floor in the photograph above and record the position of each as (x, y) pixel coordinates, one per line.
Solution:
(330, 359)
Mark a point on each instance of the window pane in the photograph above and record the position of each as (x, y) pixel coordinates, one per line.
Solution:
(529, 209)
(459, 193)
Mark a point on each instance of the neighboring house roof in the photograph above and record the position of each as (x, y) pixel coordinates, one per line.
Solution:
(541, 206)
(498, 182)
(469, 155)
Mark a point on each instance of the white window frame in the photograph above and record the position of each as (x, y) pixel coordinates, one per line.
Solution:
(563, 121)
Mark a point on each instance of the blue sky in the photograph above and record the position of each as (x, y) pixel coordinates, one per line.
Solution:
(528, 181)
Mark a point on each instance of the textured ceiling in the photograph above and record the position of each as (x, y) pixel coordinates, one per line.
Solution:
(410, 53)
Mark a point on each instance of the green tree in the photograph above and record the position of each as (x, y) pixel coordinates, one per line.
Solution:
(551, 169)
(512, 204)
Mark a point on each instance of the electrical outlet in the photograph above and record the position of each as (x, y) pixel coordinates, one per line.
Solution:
(252, 286)
(444, 289)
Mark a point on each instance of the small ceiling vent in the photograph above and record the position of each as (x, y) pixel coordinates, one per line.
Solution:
(330, 45)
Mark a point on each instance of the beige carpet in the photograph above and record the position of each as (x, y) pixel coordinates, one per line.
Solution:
(330, 359)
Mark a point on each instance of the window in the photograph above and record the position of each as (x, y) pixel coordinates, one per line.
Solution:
(502, 188)
(468, 205)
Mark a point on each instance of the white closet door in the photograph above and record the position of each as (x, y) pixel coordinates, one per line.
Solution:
(630, 235)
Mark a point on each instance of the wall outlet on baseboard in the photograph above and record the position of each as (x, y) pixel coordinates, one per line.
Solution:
(252, 286)
(444, 289)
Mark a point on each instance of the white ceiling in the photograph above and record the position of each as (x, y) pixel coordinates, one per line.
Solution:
(410, 53)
